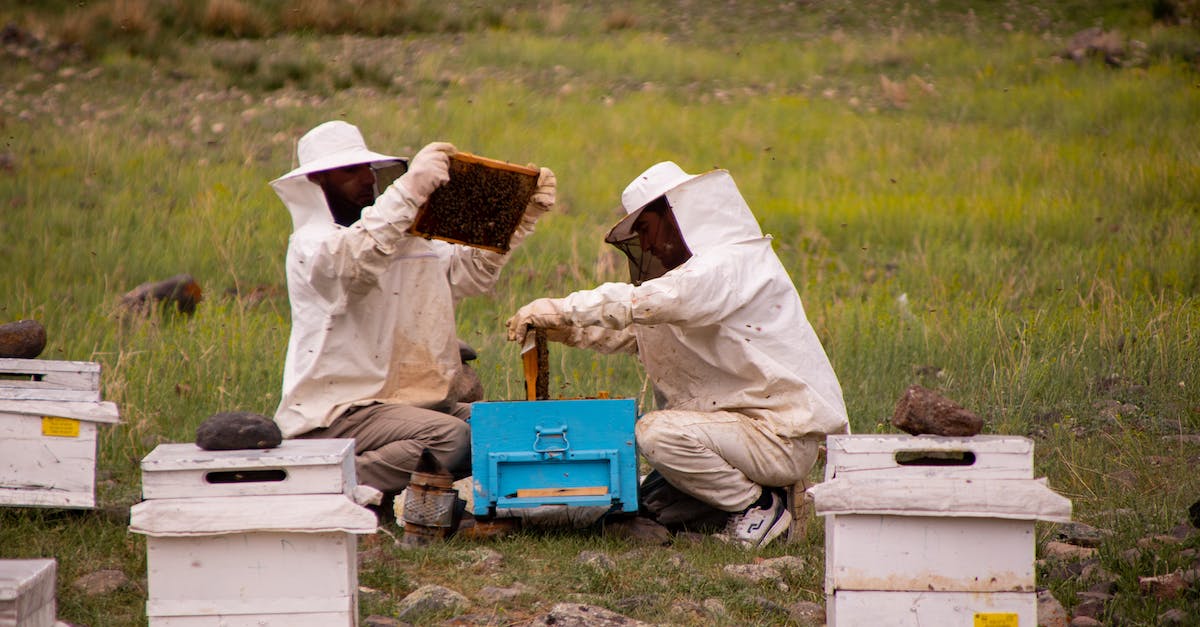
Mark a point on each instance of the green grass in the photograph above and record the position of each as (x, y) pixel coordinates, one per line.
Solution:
(1017, 231)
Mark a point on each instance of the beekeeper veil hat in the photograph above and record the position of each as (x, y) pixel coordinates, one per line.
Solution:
(648, 187)
(334, 144)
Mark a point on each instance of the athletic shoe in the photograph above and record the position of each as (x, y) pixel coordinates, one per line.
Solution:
(756, 527)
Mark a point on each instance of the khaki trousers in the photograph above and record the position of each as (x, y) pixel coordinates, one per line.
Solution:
(388, 439)
(722, 458)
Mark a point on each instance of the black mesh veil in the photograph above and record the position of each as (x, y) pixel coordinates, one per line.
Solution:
(643, 265)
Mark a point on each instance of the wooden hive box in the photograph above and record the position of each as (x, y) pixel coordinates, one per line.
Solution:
(48, 416)
(27, 593)
(932, 530)
(318, 466)
(527, 454)
(251, 537)
(481, 205)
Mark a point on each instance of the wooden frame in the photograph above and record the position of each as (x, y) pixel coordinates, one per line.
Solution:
(481, 205)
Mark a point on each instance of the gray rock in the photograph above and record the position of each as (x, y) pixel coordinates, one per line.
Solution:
(492, 595)
(227, 431)
(1175, 616)
(181, 290)
(383, 621)
(1064, 551)
(101, 582)
(1085, 621)
(430, 599)
(1050, 613)
(23, 339)
(923, 411)
(785, 563)
(580, 615)
(638, 529)
(596, 560)
(1081, 534)
(754, 573)
(807, 613)
(483, 559)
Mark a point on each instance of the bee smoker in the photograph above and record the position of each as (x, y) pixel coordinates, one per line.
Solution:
(429, 503)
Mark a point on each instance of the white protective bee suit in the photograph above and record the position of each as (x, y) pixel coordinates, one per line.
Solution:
(373, 306)
(746, 390)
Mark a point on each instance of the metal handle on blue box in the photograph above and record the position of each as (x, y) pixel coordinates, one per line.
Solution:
(559, 432)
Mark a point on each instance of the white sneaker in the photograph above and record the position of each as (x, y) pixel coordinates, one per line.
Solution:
(757, 526)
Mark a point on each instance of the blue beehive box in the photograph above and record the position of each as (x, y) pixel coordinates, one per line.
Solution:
(565, 452)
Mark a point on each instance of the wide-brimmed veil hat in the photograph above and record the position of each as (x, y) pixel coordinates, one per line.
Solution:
(334, 144)
(656, 181)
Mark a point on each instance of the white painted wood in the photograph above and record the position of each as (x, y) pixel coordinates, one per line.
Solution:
(73, 374)
(48, 394)
(921, 609)
(252, 620)
(102, 411)
(320, 466)
(265, 578)
(43, 470)
(933, 554)
(27, 589)
(995, 456)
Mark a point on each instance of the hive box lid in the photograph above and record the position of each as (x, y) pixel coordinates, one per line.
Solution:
(17, 577)
(317, 466)
(902, 455)
(208, 516)
(49, 380)
(1022, 499)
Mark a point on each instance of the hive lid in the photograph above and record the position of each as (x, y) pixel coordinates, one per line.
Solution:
(481, 205)
(91, 411)
(221, 515)
(1022, 499)
(18, 576)
(315, 452)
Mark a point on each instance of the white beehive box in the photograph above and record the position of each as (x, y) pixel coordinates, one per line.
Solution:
(317, 466)
(49, 411)
(932, 530)
(27, 593)
(251, 537)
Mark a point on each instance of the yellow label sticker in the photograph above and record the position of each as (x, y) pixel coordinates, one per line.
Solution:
(60, 427)
(996, 619)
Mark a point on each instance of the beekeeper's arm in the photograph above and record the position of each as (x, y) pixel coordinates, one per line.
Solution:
(347, 261)
(697, 293)
(473, 271)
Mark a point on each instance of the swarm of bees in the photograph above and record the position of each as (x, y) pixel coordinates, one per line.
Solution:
(480, 206)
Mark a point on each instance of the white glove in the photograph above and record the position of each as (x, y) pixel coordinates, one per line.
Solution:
(539, 203)
(543, 313)
(543, 197)
(429, 170)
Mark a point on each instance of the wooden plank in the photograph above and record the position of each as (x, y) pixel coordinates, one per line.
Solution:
(544, 492)
(49, 394)
(91, 411)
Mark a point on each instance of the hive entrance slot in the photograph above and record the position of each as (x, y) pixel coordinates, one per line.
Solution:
(935, 458)
(20, 376)
(246, 476)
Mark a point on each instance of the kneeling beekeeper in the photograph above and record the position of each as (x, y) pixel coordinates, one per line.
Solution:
(373, 351)
(746, 393)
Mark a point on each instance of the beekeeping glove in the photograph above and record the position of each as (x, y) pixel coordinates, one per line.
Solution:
(543, 196)
(543, 313)
(539, 203)
(429, 170)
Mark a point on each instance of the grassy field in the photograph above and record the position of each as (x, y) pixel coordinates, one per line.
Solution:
(960, 202)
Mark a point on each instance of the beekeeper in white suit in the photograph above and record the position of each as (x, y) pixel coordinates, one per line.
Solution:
(373, 348)
(746, 392)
